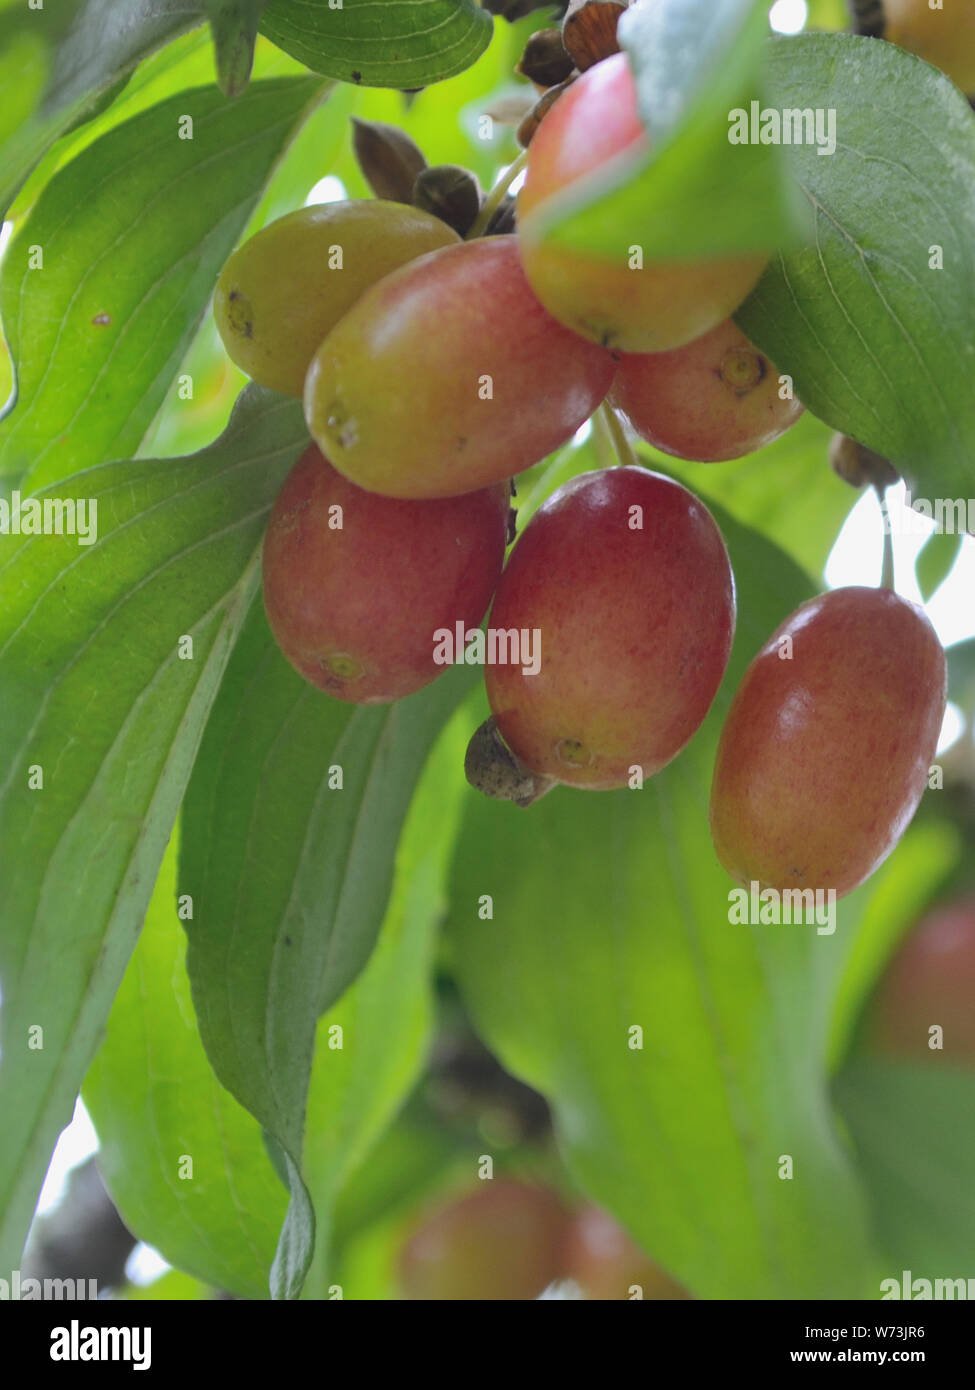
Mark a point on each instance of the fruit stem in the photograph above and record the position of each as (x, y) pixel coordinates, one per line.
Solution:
(495, 198)
(887, 572)
(625, 456)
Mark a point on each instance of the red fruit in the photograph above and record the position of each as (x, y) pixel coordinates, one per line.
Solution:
(625, 576)
(716, 398)
(661, 306)
(606, 1263)
(824, 756)
(354, 606)
(449, 375)
(503, 1241)
(931, 981)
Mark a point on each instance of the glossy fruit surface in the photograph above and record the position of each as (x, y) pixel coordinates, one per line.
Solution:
(449, 376)
(930, 981)
(664, 304)
(944, 37)
(355, 607)
(503, 1241)
(607, 1263)
(825, 752)
(624, 577)
(715, 398)
(285, 289)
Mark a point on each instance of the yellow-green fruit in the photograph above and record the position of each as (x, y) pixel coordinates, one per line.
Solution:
(285, 289)
(944, 37)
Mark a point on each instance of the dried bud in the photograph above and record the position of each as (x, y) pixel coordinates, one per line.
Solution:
(451, 193)
(858, 465)
(390, 161)
(589, 30)
(545, 60)
(492, 768)
(526, 131)
(512, 10)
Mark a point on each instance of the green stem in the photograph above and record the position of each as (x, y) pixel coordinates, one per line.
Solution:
(887, 572)
(495, 198)
(625, 456)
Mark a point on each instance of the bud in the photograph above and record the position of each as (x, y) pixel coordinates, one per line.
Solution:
(451, 193)
(857, 465)
(589, 30)
(390, 161)
(512, 10)
(545, 60)
(492, 768)
(526, 131)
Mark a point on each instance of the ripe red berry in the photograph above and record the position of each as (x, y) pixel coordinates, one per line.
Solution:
(650, 309)
(606, 1262)
(930, 982)
(356, 585)
(449, 375)
(716, 398)
(625, 578)
(825, 752)
(502, 1241)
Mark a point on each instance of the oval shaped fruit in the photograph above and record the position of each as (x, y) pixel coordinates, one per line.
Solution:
(622, 586)
(944, 37)
(285, 289)
(825, 752)
(716, 398)
(930, 982)
(661, 306)
(449, 375)
(356, 586)
(502, 1241)
(607, 1263)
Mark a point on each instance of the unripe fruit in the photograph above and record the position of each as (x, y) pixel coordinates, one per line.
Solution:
(355, 585)
(944, 37)
(503, 1241)
(931, 980)
(625, 577)
(662, 306)
(826, 749)
(715, 398)
(285, 289)
(448, 376)
(606, 1263)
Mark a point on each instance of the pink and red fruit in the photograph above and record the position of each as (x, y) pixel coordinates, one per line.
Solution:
(716, 398)
(607, 1263)
(931, 980)
(625, 576)
(825, 752)
(356, 585)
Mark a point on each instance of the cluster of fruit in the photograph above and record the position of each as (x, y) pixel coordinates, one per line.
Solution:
(511, 1240)
(434, 369)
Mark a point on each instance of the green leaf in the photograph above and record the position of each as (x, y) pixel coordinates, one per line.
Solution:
(694, 62)
(58, 61)
(880, 345)
(100, 696)
(155, 1102)
(133, 233)
(234, 27)
(936, 559)
(389, 43)
(914, 1131)
(289, 830)
(610, 911)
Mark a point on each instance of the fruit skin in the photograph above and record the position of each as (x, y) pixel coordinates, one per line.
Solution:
(354, 610)
(823, 758)
(636, 628)
(716, 398)
(396, 395)
(931, 979)
(502, 1241)
(662, 306)
(277, 298)
(606, 1263)
(945, 37)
